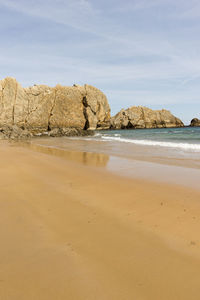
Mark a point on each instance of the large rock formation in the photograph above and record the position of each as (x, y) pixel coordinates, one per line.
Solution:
(41, 108)
(195, 122)
(143, 117)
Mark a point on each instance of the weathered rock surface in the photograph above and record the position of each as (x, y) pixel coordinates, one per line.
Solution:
(14, 132)
(56, 132)
(143, 117)
(195, 122)
(41, 108)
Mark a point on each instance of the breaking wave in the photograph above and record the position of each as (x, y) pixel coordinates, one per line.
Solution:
(183, 146)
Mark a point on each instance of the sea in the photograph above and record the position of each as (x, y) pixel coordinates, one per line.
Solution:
(185, 138)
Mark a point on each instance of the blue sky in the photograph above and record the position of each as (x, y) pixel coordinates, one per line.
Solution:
(138, 52)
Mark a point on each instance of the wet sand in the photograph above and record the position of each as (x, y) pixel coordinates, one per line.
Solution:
(72, 230)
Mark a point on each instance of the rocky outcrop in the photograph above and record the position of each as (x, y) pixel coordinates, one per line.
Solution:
(16, 133)
(41, 108)
(13, 133)
(195, 122)
(143, 117)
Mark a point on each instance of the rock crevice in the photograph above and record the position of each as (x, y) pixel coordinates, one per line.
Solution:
(51, 112)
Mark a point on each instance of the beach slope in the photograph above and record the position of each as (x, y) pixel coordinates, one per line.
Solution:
(71, 231)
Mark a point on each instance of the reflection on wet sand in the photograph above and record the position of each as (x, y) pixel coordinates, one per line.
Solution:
(86, 158)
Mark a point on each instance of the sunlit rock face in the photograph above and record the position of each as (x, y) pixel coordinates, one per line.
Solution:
(42, 108)
(143, 117)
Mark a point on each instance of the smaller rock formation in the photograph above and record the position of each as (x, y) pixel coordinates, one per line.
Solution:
(195, 122)
(143, 117)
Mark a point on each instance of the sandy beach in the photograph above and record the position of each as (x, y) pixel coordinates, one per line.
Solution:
(72, 230)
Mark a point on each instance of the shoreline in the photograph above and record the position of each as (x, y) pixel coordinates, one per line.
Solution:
(137, 162)
(72, 230)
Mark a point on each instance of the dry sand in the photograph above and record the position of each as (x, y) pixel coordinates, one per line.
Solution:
(71, 231)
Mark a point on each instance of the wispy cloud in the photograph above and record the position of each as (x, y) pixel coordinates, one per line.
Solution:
(73, 13)
(136, 5)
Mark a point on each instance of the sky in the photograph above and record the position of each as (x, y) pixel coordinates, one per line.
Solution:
(138, 52)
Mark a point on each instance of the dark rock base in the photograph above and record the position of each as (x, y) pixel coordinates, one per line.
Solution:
(17, 133)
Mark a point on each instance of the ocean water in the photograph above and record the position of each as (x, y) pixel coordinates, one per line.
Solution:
(170, 155)
(169, 146)
(187, 138)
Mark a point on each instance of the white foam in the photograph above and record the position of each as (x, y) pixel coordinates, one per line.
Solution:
(97, 134)
(183, 146)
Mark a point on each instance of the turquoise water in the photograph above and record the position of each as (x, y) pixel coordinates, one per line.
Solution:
(187, 138)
